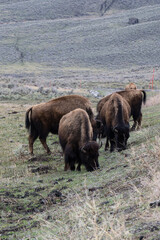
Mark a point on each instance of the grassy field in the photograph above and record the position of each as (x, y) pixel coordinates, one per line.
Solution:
(53, 48)
(41, 201)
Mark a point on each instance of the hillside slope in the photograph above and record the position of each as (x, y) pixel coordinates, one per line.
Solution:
(45, 44)
(27, 10)
(99, 42)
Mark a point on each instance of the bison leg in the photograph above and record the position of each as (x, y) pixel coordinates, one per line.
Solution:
(43, 141)
(66, 167)
(139, 121)
(79, 166)
(72, 166)
(112, 141)
(134, 126)
(107, 144)
(68, 162)
(69, 157)
(31, 139)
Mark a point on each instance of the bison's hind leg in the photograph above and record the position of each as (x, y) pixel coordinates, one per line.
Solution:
(66, 167)
(70, 158)
(32, 137)
(139, 121)
(43, 141)
(69, 163)
(106, 145)
(113, 145)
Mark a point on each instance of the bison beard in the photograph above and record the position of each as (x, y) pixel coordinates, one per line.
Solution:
(75, 136)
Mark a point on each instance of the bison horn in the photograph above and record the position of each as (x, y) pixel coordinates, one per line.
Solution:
(83, 150)
(115, 129)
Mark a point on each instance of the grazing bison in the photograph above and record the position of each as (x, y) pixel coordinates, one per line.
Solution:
(75, 136)
(135, 99)
(131, 86)
(115, 115)
(43, 118)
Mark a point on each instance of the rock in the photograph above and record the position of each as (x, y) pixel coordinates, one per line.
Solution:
(94, 93)
(152, 204)
(155, 204)
(133, 21)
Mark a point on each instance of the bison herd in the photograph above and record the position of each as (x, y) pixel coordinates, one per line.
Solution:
(72, 118)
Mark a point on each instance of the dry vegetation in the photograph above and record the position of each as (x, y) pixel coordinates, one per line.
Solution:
(47, 52)
(153, 101)
(40, 201)
(88, 218)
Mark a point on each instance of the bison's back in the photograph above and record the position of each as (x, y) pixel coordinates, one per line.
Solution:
(133, 97)
(75, 128)
(115, 107)
(102, 102)
(49, 114)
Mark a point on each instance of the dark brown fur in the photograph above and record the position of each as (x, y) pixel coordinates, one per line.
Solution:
(115, 115)
(75, 136)
(44, 117)
(135, 99)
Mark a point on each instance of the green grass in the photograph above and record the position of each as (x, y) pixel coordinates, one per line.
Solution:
(114, 192)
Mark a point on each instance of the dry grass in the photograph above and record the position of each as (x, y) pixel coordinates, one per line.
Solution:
(86, 218)
(153, 101)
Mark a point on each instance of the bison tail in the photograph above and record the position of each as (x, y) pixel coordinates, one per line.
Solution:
(28, 118)
(144, 96)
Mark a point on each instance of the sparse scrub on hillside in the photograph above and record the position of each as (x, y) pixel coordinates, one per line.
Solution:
(87, 218)
(153, 101)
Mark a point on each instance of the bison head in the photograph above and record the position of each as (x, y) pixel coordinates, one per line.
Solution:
(89, 155)
(121, 134)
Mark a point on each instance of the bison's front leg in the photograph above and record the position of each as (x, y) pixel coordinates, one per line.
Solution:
(107, 144)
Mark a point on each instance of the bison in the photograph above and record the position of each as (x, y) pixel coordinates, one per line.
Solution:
(135, 99)
(115, 115)
(75, 136)
(43, 118)
(131, 86)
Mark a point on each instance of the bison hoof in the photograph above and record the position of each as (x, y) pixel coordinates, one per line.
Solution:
(132, 129)
(72, 168)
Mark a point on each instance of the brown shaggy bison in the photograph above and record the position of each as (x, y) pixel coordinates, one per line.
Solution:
(135, 99)
(115, 115)
(43, 118)
(75, 136)
(131, 86)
